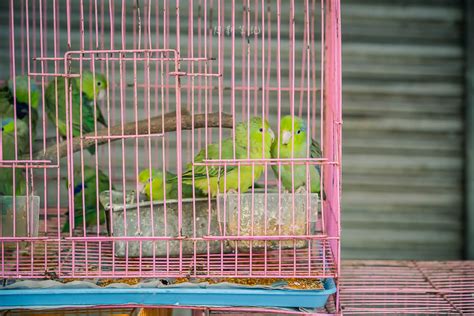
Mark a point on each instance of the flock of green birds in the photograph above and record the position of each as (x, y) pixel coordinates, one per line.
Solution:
(253, 140)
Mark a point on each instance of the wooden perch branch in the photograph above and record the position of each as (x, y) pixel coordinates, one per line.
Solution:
(156, 124)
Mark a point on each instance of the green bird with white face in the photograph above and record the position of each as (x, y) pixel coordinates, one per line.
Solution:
(153, 186)
(253, 145)
(92, 88)
(292, 141)
(21, 98)
(7, 176)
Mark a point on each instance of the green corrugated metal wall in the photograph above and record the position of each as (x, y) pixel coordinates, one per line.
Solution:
(403, 129)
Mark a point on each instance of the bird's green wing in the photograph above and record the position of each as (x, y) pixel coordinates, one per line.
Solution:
(202, 172)
(6, 108)
(56, 88)
(87, 117)
(315, 149)
(187, 189)
(6, 182)
(316, 153)
(87, 114)
(7, 175)
(8, 139)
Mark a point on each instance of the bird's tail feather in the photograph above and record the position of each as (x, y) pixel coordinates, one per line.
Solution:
(65, 227)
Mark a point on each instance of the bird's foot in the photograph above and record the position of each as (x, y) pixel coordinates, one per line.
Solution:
(301, 190)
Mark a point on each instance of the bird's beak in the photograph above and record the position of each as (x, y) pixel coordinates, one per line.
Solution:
(285, 137)
(272, 134)
(141, 187)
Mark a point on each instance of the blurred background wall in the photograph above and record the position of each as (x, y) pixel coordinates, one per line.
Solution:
(403, 108)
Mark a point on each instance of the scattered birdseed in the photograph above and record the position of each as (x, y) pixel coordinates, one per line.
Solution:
(297, 284)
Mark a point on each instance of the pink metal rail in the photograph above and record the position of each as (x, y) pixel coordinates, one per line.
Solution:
(217, 58)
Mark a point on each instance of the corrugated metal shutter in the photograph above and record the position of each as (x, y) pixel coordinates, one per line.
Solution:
(403, 124)
(403, 129)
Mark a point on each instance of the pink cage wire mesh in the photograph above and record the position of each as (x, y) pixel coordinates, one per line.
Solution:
(407, 287)
(178, 76)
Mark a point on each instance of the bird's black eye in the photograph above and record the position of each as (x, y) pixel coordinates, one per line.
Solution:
(99, 83)
(260, 130)
(298, 131)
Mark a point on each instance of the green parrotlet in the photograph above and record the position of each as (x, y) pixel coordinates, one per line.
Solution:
(293, 140)
(93, 89)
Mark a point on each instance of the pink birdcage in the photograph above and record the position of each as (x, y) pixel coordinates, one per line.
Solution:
(169, 79)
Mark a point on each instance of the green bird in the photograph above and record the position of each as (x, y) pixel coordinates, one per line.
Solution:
(23, 110)
(255, 145)
(293, 138)
(8, 152)
(88, 189)
(90, 87)
(151, 184)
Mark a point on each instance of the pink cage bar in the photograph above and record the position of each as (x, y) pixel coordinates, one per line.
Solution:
(180, 75)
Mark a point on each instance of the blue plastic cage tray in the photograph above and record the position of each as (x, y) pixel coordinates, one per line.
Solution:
(178, 296)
